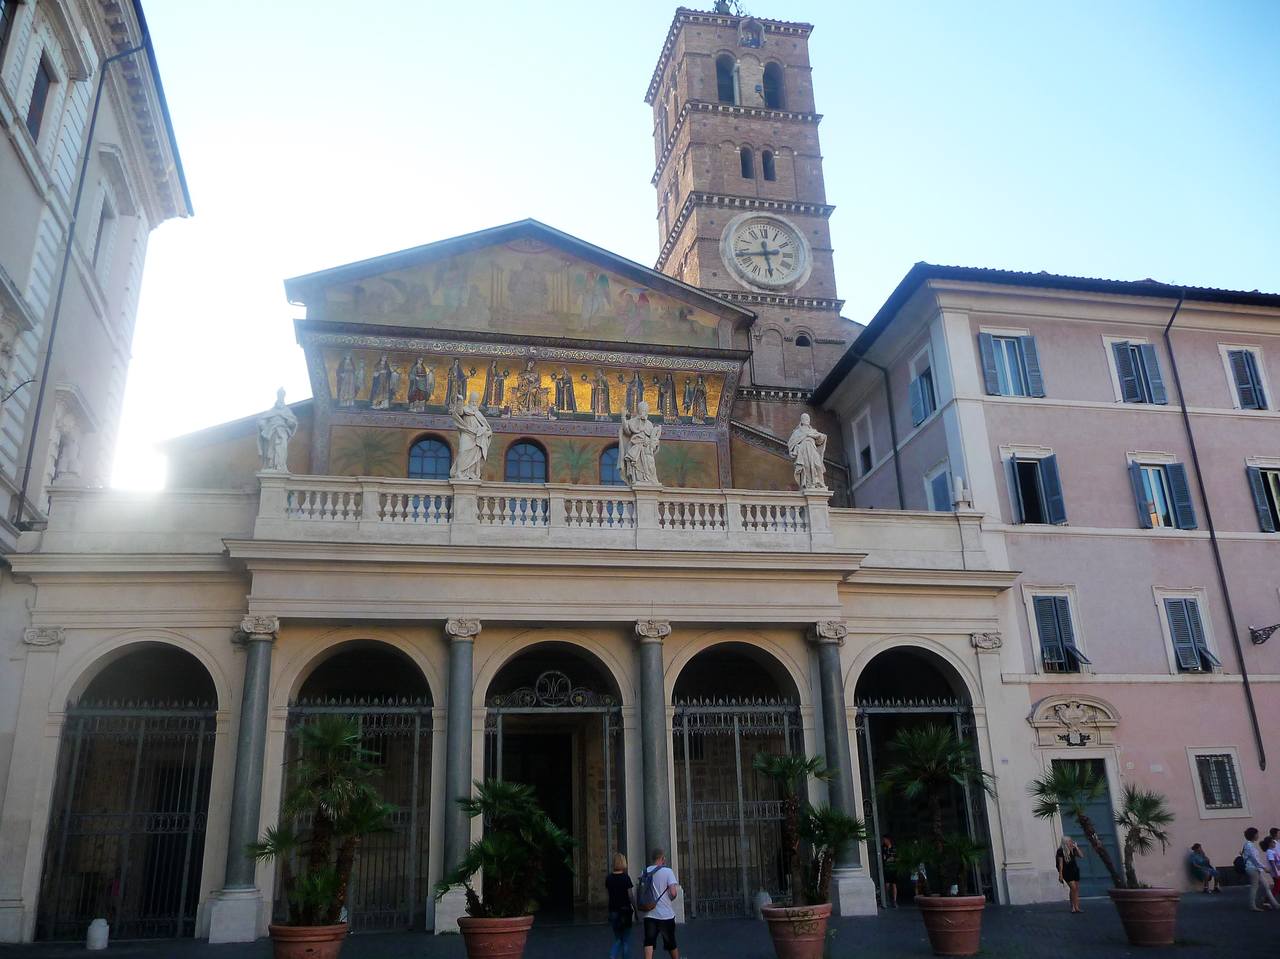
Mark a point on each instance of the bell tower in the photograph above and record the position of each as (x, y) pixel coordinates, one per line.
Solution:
(742, 209)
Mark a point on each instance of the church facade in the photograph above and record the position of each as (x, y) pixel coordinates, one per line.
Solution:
(554, 516)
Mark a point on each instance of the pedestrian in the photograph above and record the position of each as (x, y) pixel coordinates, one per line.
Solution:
(1272, 852)
(658, 886)
(618, 884)
(1067, 859)
(889, 869)
(1202, 869)
(1255, 868)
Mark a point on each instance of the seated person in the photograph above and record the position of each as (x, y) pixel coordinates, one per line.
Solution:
(1202, 869)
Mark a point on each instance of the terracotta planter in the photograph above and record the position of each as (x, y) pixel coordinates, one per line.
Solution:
(1149, 915)
(799, 932)
(307, 942)
(954, 923)
(495, 938)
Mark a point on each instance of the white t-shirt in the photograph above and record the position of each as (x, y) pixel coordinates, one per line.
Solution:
(663, 879)
(1273, 861)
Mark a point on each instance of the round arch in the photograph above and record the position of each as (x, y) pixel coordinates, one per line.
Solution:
(85, 669)
(940, 657)
(583, 646)
(767, 653)
(295, 672)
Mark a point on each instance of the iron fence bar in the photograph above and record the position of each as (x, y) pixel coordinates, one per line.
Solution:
(898, 710)
(100, 712)
(190, 830)
(688, 800)
(970, 820)
(875, 807)
(128, 823)
(742, 824)
(610, 839)
(66, 822)
(497, 758)
(414, 857)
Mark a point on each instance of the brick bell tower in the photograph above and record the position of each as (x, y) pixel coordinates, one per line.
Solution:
(742, 209)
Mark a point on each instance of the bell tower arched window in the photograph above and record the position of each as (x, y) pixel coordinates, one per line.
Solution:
(767, 165)
(725, 87)
(773, 96)
(748, 163)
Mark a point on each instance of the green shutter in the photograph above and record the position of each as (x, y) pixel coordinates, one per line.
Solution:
(1184, 513)
(1258, 487)
(1051, 649)
(1180, 630)
(1197, 635)
(1244, 371)
(1067, 633)
(987, 349)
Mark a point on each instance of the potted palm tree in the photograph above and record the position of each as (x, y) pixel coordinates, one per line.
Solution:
(925, 764)
(1149, 915)
(518, 839)
(812, 838)
(332, 792)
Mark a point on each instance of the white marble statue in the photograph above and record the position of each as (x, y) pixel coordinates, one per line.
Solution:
(807, 446)
(474, 436)
(638, 439)
(275, 428)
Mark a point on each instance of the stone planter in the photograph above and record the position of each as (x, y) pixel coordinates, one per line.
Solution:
(799, 932)
(954, 923)
(307, 942)
(495, 938)
(1148, 915)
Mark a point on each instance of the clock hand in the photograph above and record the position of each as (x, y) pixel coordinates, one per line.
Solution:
(764, 251)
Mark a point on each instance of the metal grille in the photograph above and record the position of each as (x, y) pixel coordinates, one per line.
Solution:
(126, 837)
(729, 828)
(388, 886)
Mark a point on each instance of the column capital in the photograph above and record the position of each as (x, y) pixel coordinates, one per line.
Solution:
(829, 631)
(44, 636)
(652, 630)
(260, 627)
(460, 628)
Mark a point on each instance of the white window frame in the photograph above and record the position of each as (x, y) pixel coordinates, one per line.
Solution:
(1108, 346)
(1266, 464)
(914, 368)
(1201, 596)
(861, 421)
(1029, 593)
(1007, 455)
(932, 474)
(1242, 812)
(1006, 333)
(1224, 349)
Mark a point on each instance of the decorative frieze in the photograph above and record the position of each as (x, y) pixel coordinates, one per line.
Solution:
(1074, 721)
(44, 636)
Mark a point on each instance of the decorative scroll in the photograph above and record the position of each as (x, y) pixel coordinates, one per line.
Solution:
(552, 690)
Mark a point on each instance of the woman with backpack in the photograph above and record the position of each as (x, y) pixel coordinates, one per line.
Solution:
(621, 907)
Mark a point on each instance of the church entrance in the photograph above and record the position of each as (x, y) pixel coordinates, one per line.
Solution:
(554, 722)
(731, 702)
(127, 826)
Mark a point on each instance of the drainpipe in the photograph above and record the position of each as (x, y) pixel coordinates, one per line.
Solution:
(21, 506)
(1213, 539)
(893, 429)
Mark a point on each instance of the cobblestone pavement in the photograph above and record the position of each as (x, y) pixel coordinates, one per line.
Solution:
(1208, 926)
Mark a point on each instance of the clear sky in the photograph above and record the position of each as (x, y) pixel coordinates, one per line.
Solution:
(1122, 140)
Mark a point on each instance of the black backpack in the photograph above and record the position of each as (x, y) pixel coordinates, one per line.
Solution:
(647, 891)
(1239, 864)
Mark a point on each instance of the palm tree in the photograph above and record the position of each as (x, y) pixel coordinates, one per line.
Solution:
(925, 762)
(1143, 816)
(827, 831)
(1067, 789)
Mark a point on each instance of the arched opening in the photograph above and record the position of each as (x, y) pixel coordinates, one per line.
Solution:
(803, 340)
(732, 701)
(773, 92)
(554, 722)
(430, 458)
(903, 688)
(726, 89)
(610, 474)
(747, 161)
(127, 823)
(525, 462)
(384, 691)
(767, 166)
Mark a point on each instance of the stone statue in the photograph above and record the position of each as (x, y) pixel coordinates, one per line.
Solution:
(350, 381)
(638, 439)
(422, 382)
(474, 436)
(275, 428)
(806, 446)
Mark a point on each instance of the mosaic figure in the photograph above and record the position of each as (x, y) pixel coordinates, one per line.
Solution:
(422, 383)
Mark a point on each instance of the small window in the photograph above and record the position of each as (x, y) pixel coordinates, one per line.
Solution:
(938, 487)
(39, 99)
(803, 340)
(726, 88)
(747, 159)
(1219, 784)
(1010, 365)
(1163, 496)
(106, 220)
(1058, 650)
(862, 444)
(923, 398)
(526, 462)
(1186, 632)
(1138, 372)
(773, 98)
(767, 167)
(1037, 490)
(430, 458)
(610, 475)
(1246, 375)
(1265, 486)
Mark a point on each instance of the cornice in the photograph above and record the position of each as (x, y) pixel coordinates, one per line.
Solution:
(912, 580)
(112, 567)
(698, 198)
(730, 109)
(781, 299)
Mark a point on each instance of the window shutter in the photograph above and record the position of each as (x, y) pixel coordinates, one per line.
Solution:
(1240, 369)
(1151, 366)
(1255, 377)
(1184, 513)
(1139, 497)
(917, 401)
(1051, 650)
(1067, 633)
(987, 349)
(1015, 491)
(1184, 644)
(1031, 356)
(1054, 508)
(1130, 388)
(1259, 490)
(1197, 634)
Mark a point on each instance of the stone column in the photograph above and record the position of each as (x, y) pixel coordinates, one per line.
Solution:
(852, 893)
(235, 912)
(461, 634)
(654, 736)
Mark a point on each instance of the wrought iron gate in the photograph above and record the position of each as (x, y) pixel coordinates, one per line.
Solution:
(127, 826)
(729, 826)
(388, 886)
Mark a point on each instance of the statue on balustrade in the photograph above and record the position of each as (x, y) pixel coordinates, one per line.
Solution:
(456, 387)
(635, 394)
(695, 399)
(565, 401)
(350, 381)
(600, 396)
(386, 383)
(422, 383)
(667, 407)
(638, 439)
(474, 436)
(807, 446)
(275, 428)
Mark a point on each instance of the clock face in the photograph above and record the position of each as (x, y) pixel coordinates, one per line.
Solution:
(765, 251)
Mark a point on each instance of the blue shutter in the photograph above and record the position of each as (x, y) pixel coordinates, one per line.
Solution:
(1139, 497)
(1246, 392)
(987, 349)
(1184, 644)
(1031, 356)
(1130, 388)
(1067, 634)
(1255, 377)
(1055, 509)
(1151, 366)
(1051, 651)
(1184, 513)
(1015, 491)
(1197, 634)
(917, 401)
(1260, 501)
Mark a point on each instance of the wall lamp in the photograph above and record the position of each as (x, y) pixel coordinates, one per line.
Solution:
(1260, 634)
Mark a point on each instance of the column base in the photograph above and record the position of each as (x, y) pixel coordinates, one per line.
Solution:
(450, 907)
(13, 921)
(234, 915)
(852, 892)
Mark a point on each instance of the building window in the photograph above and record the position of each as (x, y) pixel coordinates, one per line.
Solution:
(1162, 495)
(39, 98)
(1264, 483)
(526, 462)
(1010, 365)
(1058, 650)
(106, 222)
(1244, 366)
(8, 11)
(1191, 650)
(1138, 373)
(923, 398)
(430, 458)
(1219, 784)
(1037, 490)
(773, 93)
(726, 88)
(767, 165)
(747, 159)
(610, 475)
(864, 451)
(937, 485)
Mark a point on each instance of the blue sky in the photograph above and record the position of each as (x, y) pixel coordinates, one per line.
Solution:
(1121, 140)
